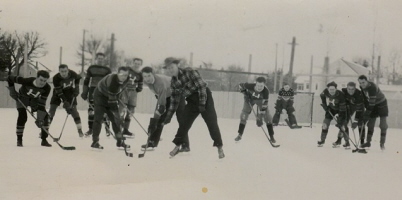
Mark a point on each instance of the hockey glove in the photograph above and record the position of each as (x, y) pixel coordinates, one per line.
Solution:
(160, 110)
(167, 120)
(113, 105)
(259, 122)
(84, 96)
(76, 93)
(67, 106)
(138, 90)
(40, 119)
(325, 107)
(241, 88)
(201, 108)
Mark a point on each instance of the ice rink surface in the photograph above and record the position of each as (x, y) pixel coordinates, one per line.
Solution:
(252, 169)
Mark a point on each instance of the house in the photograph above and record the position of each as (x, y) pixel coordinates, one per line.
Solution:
(340, 71)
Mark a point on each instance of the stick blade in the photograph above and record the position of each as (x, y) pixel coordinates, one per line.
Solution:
(69, 148)
(141, 155)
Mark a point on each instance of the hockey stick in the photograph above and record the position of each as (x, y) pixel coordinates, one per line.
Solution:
(149, 135)
(345, 135)
(62, 129)
(129, 154)
(269, 139)
(132, 115)
(57, 142)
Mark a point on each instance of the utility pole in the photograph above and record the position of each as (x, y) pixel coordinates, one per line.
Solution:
(82, 54)
(378, 70)
(283, 64)
(326, 68)
(311, 74)
(111, 60)
(191, 59)
(61, 55)
(250, 58)
(372, 64)
(292, 56)
(276, 66)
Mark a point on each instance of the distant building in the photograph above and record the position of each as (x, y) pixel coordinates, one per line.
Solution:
(340, 71)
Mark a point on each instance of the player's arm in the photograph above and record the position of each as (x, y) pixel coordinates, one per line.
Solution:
(58, 88)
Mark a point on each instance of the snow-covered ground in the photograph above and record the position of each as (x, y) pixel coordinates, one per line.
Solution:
(252, 169)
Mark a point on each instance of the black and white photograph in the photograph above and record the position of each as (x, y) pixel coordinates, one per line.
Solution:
(190, 99)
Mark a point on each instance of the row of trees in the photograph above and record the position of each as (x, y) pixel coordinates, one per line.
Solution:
(12, 48)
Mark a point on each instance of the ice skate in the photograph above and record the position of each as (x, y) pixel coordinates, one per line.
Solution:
(337, 143)
(175, 151)
(184, 149)
(88, 133)
(151, 145)
(238, 138)
(96, 145)
(128, 134)
(80, 133)
(19, 143)
(346, 145)
(120, 143)
(382, 146)
(220, 152)
(44, 143)
(321, 143)
(272, 139)
(366, 145)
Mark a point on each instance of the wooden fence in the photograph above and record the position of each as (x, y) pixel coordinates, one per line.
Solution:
(229, 105)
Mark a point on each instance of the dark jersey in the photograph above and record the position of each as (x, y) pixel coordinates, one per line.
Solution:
(66, 87)
(110, 86)
(335, 102)
(355, 102)
(255, 96)
(372, 95)
(286, 95)
(94, 74)
(135, 80)
(37, 96)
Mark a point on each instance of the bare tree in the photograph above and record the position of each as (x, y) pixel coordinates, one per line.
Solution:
(92, 46)
(14, 45)
(394, 59)
(361, 61)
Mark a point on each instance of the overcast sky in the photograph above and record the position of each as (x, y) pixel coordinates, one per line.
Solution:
(221, 31)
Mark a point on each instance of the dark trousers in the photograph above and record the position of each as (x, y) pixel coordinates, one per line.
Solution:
(156, 135)
(102, 107)
(191, 112)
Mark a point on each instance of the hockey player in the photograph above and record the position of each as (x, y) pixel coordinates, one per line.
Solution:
(66, 89)
(129, 96)
(255, 94)
(285, 101)
(376, 106)
(187, 83)
(333, 102)
(33, 93)
(354, 105)
(94, 74)
(160, 85)
(106, 101)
